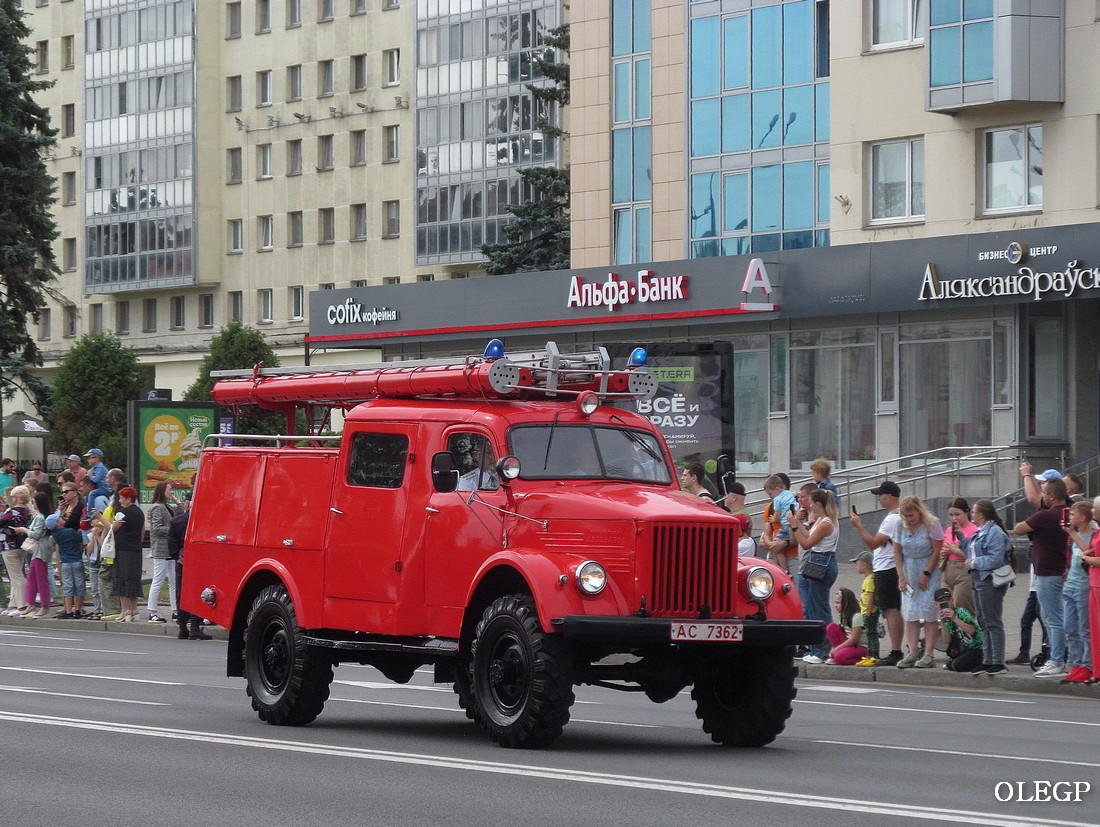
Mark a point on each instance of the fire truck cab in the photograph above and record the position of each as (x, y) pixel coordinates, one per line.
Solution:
(495, 518)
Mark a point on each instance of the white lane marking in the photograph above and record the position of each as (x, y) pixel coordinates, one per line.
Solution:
(73, 649)
(1031, 759)
(380, 685)
(860, 690)
(94, 677)
(602, 779)
(456, 709)
(31, 690)
(863, 707)
(37, 636)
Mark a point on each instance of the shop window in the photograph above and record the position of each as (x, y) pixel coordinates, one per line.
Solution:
(897, 180)
(1046, 375)
(935, 411)
(1013, 166)
(750, 390)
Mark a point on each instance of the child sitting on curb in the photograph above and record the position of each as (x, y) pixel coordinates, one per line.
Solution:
(960, 631)
(847, 639)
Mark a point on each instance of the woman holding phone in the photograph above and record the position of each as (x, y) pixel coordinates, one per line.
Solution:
(819, 539)
(953, 563)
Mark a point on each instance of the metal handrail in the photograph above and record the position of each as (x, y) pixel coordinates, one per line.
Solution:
(848, 480)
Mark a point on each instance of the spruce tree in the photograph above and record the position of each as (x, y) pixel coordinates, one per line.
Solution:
(27, 228)
(538, 237)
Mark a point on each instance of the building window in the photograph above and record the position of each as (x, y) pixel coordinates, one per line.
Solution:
(68, 52)
(324, 10)
(263, 88)
(358, 222)
(296, 298)
(391, 211)
(206, 310)
(232, 20)
(391, 136)
(897, 180)
(293, 13)
(233, 94)
(391, 60)
(266, 229)
(265, 305)
(263, 161)
(1014, 169)
(423, 277)
(325, 157)
(236, 306)
(326, 77)
(68, 254)
(294, 83)
(326, 225)
(358, 73)
(68, 188)
(68, 120)
(294, 229)
(326, 285)
(358, 7)
(95, 318)
(178, 309)
(898, 22)
(44, 323)
(235, 232)
(42, 57)
(358, 147)
(149, 316)
(960, 42)
(122, 318)
(233, 165)
(294, 157)
(263, 16)
(391, 280)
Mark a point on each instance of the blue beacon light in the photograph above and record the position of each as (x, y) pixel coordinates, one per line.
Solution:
(495, 349)
(638, 358)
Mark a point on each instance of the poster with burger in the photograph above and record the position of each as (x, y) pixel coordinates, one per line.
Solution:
(166, 443)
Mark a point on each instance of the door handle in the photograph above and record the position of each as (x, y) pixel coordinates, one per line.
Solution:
(431, 510)
(336, 511)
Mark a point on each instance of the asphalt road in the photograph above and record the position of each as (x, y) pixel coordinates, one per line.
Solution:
(125, 729)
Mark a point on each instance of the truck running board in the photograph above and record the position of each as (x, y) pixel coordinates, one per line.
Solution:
(419, 645)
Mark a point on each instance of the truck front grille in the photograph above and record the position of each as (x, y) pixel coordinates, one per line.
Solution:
(694, 566)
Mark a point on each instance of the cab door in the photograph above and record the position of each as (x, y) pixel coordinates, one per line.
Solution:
(367, 513)
(463, 527)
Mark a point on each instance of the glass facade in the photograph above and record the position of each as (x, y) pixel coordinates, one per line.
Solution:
(477, 123)
(759, 129)
(631, 136)
(139, 117)
(960, 40)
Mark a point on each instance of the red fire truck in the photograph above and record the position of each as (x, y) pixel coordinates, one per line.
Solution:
(492, 516)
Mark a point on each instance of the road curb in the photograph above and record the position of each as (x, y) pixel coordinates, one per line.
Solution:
(1018, 679)
(136, 627)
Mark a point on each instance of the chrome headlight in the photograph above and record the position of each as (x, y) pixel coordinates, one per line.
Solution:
(591, 577)
(759, 582)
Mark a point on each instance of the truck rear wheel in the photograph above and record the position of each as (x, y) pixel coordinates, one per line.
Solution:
(746, 701)
(521, 678)
(288, 683)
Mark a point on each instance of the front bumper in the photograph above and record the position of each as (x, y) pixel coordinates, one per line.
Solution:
(648, 631)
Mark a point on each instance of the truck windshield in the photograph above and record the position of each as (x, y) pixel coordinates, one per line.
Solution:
(588, 452)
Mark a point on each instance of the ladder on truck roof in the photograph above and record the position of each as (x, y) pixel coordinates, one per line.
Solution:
(543, 374)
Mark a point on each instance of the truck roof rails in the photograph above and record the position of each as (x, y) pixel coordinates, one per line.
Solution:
(544, 374)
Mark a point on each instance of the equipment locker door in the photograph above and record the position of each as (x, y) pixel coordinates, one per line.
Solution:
(367, 514)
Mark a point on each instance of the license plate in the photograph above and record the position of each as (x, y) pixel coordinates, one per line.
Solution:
(708, 632)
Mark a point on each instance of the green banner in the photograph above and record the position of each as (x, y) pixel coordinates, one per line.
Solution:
(167, 443)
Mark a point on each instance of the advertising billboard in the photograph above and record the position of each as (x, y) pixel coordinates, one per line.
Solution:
(165, 443)
(693, 407)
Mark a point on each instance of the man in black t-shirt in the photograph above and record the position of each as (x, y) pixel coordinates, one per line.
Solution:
(1049, 556)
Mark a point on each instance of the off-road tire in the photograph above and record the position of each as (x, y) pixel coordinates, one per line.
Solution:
(463, 687)
(521, 678)
(745, 701)
(287, 681)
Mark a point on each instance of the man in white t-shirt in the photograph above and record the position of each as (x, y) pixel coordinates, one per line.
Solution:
(885, 572)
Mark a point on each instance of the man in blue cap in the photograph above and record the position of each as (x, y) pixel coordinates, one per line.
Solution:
(96, 469)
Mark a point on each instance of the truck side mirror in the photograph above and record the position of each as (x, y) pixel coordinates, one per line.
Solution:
(726, 475)
(444, 472)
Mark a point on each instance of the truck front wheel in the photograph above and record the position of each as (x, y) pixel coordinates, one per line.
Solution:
(521, 678)
(745, 701)
(288, 683)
